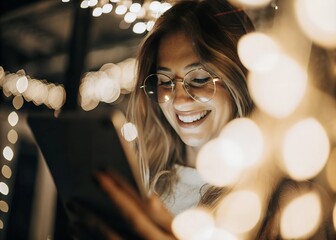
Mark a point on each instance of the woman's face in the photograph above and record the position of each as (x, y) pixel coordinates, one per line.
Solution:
(195, 122)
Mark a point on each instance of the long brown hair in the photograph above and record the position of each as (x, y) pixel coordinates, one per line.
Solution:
(215, 27)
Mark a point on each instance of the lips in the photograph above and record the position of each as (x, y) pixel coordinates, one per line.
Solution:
(192, 119)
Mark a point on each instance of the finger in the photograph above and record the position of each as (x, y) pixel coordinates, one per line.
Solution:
(160, 213)
(154, 208)
(122, 183)
(133, 212)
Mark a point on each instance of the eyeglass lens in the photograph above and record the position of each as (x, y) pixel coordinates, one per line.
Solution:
(198, 83)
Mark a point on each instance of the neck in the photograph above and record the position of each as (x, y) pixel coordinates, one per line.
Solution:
(191, 154)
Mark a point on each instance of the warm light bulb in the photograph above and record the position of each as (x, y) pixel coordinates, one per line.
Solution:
(218, 162)
(6, 171)
(98, 11)
(306, 149)
(155, 6)
(8, 153)
(3, 206)
(56, 97)
(12, 136)
(121, 9)
(245, 133)
(250, 3)
(139, 27)
(135, 7)
(13, 118)
(318, 20)
(107, 8)
(130, 17)
(128, 72)
(18, 102)
(279, 90)
(239, 211)
(258, 52)
(193, 224)
(4, 188)
(301, 217)
(84, 4)
(129, 131)
(22, 84)
(92, 3)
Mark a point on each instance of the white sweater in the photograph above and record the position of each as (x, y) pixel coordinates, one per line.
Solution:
(187, 192)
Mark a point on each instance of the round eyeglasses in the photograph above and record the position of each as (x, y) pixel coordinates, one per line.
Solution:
(198, 83)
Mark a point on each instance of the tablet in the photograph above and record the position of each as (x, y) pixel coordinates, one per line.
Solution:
(74, 146)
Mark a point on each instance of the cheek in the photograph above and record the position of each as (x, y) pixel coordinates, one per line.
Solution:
(165, 109)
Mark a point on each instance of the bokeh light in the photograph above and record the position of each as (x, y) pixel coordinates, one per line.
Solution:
(13, 118)
(107, 8)
(130, 17)
(6, 171)
(317, 19)
(121, 10)
(239, 212)
(301, 217)
(245, 133)
(93, 3)
(22, 84)
(193, 224)
(56, 97)
(8, 153)
(135, 7)
(258, 52)
(217, 162)
(18, 102)
(3, 206)
(12, 136)
(305, 149)
(4, 188)
(250, 3)
(278, 92)
(98, 11)
(129, 131)
(139, 27)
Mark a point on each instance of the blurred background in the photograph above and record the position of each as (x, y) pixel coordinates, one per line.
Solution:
(54, 42)
(51, 44)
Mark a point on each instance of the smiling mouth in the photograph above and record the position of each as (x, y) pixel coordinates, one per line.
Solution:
(193, 118)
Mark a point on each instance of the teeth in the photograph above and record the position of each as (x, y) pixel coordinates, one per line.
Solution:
(193, 118)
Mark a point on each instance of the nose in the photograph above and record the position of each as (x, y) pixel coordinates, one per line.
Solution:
(181, 96)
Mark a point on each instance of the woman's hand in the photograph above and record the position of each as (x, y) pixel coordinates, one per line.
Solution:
(145, 219)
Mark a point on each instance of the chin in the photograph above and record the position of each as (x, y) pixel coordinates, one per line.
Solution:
(194, 142)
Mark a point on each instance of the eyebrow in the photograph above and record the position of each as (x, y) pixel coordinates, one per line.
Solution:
(188, 67)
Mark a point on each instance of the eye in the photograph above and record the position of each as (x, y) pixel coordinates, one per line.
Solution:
(164, 81)
(200, 81)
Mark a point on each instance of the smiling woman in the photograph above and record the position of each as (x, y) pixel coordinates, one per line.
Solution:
(191, 42)
(191, 84)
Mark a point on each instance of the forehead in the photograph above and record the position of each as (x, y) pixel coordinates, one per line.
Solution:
(176, 50)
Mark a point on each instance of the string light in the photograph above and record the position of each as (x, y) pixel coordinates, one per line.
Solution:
(146, 12)
(23, 87)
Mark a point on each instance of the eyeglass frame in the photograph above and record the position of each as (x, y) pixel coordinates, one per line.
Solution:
(182, 80)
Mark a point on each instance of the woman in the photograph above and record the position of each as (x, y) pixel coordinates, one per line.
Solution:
(190, 84)
(194, 41)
